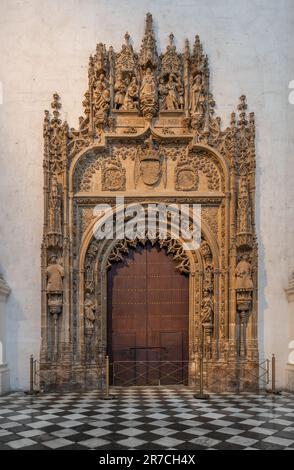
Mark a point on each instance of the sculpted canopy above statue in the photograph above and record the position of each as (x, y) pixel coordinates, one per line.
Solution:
(131, 92)
(147, 85)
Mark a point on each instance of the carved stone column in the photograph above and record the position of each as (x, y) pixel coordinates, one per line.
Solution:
(4, 371)
(244, 300)
(55, 274)
(244, 288)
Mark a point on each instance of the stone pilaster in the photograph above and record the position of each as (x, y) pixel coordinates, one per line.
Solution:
(4, 371)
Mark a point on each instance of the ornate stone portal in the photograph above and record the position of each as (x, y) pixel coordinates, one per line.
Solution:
(149, 133)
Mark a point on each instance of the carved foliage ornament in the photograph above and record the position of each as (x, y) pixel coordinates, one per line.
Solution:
(172, 246)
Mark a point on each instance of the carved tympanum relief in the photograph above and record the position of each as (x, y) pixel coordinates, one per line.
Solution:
(149, 132)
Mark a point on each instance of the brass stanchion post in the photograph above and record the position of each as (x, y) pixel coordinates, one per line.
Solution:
(273, 374)
(201, 395)
(31, 374)
(107, 395)
(273, 389)
(31, 390)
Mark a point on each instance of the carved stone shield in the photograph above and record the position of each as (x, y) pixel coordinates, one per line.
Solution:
(150, 171)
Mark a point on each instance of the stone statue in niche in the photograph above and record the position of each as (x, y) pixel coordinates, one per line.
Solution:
(243, 273)
(162, 89)
(130, 102)
(148, 87)
(101, 94)
(148, 94)
(244, 224)
(89, 308)
(197, 98)
(120, 88)
(54, 288)
(55, 274)
(207, 309)
(171, 93)
(172, 98)
(54, 207)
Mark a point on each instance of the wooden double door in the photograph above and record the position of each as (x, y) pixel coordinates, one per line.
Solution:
(148, 319)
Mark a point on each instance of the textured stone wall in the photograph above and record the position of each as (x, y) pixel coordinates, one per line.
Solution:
(44, 47)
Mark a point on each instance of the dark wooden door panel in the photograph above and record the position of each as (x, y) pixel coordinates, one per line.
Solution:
(148, 317)
(173, 371)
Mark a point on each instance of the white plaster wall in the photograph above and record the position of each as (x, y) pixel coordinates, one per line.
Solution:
(44, 47)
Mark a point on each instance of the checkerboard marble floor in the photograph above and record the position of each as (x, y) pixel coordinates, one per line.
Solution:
(150, 418)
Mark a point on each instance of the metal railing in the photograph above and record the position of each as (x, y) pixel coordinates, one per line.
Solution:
(263, 373)
(149, 372)
(129, 373)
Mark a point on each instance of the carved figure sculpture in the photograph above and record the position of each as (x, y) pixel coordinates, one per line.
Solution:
(197, 96)
(89, 308)
(207, 309)
(162, 89)
(55, 274)
(243, 206)
(101, 94)
(148, 87)
(172, 98)
(120, 91)
(243, 273)
(131, 98)
(148, 94)
(54, 207)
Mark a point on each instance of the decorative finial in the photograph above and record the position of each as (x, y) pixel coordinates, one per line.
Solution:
(56, 105)
(233, 120)
(171, 39)
(242, 106)
(242, 114)
(127, 39)
(197, 45)
(148, 55)
(149, 22)
(187, 49)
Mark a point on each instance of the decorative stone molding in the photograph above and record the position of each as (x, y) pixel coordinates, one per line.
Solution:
(172, 247)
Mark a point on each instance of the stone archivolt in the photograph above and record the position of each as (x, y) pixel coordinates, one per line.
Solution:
(149, 132)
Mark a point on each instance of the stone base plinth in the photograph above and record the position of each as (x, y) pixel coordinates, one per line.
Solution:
(64, 378)
(4, 379)
(290, 377)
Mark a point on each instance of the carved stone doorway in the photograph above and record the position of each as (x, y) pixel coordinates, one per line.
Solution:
(148, 319)
(149, 134)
